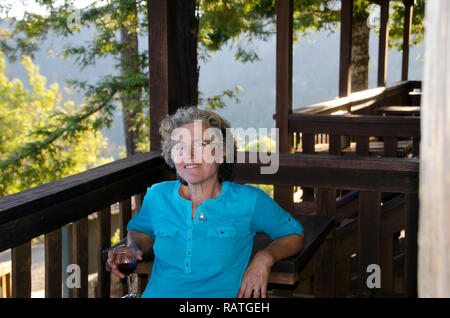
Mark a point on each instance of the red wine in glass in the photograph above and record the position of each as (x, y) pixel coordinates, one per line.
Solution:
(126, 261)
(127, 268)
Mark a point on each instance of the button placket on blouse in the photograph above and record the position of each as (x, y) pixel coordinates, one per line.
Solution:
(189, 233)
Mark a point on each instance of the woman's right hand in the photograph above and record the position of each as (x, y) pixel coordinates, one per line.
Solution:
(111, 261)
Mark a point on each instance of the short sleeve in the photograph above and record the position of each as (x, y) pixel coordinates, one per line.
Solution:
(270, 218)
(142, 220)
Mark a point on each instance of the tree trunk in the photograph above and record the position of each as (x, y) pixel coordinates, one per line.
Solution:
(131, 98)
(360, 47)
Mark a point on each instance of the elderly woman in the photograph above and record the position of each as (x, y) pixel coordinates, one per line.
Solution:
(202, 225)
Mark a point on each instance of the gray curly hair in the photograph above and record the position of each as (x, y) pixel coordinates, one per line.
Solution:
(189, 114)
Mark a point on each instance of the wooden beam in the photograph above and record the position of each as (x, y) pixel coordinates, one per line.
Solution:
(283, 195)
(407, 24)
(434, 201)
(383, 42)
(369, 174)
(355, 125)
(345, 55)
(163, 64)
(284, 72)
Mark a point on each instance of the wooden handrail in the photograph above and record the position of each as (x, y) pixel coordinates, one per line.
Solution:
(357, 173)
(50, 206)
(355, 125)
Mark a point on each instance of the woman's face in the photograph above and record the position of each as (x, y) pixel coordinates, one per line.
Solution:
(195, 155)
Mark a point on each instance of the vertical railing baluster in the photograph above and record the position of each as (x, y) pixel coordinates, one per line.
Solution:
(53, 264)
(411, 245)
(142, 279)
(308, 148)
(139, 198)
(386, 250)
(343, 278)
(416, 147)
(325, 257)
(387, 262)
(80, 255)
(335, 147)
(390, 146)
(369, 232)
(21, 271)
(362, 145)
(103, 242)
(124, 217)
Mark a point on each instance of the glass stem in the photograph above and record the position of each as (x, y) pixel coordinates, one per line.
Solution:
(129, 283)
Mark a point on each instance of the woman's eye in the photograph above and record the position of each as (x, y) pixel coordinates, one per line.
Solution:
(179, 148)
(199, 144)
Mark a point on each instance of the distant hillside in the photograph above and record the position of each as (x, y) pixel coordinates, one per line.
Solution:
(315, 77)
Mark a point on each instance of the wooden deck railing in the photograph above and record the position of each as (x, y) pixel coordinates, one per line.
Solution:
(45, 209)
(388, 129)
(319, 132)
(365, 102)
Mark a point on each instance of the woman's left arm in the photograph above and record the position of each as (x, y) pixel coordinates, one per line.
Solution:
(256, 276)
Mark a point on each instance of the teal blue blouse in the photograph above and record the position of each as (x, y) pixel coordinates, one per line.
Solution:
(207, 256)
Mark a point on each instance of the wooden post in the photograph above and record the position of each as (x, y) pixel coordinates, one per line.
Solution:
(103, 242)
(124, 218)
(411, 228)
(345, 56)
(284, 195)
(163, 64)
(369, 233)
(53, 264)
(407, 23)
(383, 42)
(434, 189)
(21, 271)
(325, 258)
(80, 255)
(324, 261)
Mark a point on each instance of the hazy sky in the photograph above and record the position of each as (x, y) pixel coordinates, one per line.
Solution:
(18, 7)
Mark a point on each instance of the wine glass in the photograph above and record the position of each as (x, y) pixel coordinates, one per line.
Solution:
(126, 261)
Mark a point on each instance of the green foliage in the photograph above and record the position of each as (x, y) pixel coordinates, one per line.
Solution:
(263, 144)
(242, 21)
(396, 24)
(116, 237)
(53, 139)
(43, 139)
(217, 101)
(267, 188)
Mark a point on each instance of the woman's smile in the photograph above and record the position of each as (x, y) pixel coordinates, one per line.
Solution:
(192, 166)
